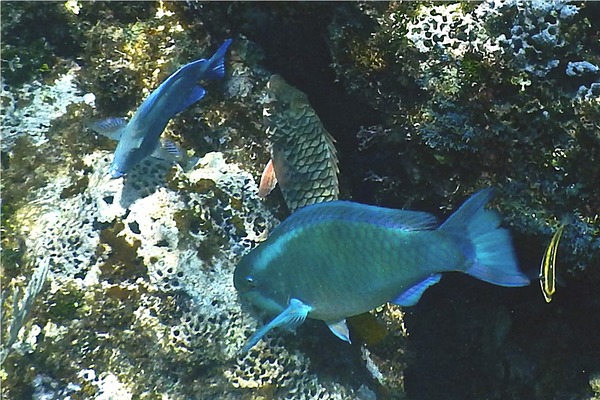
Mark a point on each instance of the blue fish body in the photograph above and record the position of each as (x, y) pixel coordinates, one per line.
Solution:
(140, 137)
(332, 260)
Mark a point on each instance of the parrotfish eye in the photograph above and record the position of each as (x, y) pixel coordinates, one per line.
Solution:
(250, 281)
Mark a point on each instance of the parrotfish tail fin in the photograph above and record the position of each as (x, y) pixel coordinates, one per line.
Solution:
(488, 247)
(216, 64)
(291, 317)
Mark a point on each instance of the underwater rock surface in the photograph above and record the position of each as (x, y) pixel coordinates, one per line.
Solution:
(427, 102)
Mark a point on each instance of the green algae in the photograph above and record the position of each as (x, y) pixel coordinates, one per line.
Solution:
(13, 244)
(123, 262)
(76, 188)
(35, 38)
(212, 218)
(67, 304)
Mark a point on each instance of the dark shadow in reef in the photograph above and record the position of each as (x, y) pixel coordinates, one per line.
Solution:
(293, 37)
(297, 49)
(472, 340)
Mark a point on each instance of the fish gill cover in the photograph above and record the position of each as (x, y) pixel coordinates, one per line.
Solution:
(138, 299)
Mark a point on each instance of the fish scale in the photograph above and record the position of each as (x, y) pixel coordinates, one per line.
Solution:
(333, 260)
(303, 152)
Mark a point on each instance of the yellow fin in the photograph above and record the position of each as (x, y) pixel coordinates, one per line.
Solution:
(548, 266)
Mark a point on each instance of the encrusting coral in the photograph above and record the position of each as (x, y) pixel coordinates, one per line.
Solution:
(138, 300)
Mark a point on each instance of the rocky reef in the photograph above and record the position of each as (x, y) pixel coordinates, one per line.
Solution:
(123, 288)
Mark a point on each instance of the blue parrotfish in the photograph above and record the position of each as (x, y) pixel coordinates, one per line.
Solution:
(140, 137)
(333, 260)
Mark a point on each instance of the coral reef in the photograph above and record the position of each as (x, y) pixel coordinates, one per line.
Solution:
(139, 298)
(493, 93)
(426, 101)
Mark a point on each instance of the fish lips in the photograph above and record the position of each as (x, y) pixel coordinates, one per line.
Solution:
(115, 172)
(261, 303)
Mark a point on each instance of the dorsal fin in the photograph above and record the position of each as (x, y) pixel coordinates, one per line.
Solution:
(359, 213)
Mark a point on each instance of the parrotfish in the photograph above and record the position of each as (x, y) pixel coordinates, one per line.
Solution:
(333, 260)
(303, 155)
(140, 137)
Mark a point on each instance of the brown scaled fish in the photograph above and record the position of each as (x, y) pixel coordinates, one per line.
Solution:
(303, 156)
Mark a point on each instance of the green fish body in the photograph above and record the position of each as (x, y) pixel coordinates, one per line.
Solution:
(333, 260)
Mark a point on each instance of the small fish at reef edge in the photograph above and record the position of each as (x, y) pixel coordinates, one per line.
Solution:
(140, 137)
(333, 260)
(548, 266)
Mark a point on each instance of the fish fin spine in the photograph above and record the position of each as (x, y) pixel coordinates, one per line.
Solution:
(487, 248)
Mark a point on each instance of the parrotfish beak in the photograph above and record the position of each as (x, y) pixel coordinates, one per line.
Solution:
(114, 172)
(239, 281)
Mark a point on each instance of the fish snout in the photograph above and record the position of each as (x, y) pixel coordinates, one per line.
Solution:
(115, 172)
(239, 281)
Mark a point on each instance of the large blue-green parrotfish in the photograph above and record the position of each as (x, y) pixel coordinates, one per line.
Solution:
(333, 260)
(140, 137)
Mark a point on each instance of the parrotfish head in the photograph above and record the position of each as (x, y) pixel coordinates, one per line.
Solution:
(253, 286)
(243, 278)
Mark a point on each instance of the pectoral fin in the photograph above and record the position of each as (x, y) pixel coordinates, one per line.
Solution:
(112, 128)
(412, 296)
(291, 317)
(268, 180)
(340, 329)
(168, 150)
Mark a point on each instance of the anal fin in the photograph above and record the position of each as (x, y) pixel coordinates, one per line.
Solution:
(168, 150)
(340, 329)
(412, 295)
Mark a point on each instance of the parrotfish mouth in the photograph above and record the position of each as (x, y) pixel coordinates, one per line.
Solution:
(115, 173)
(261, 303)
